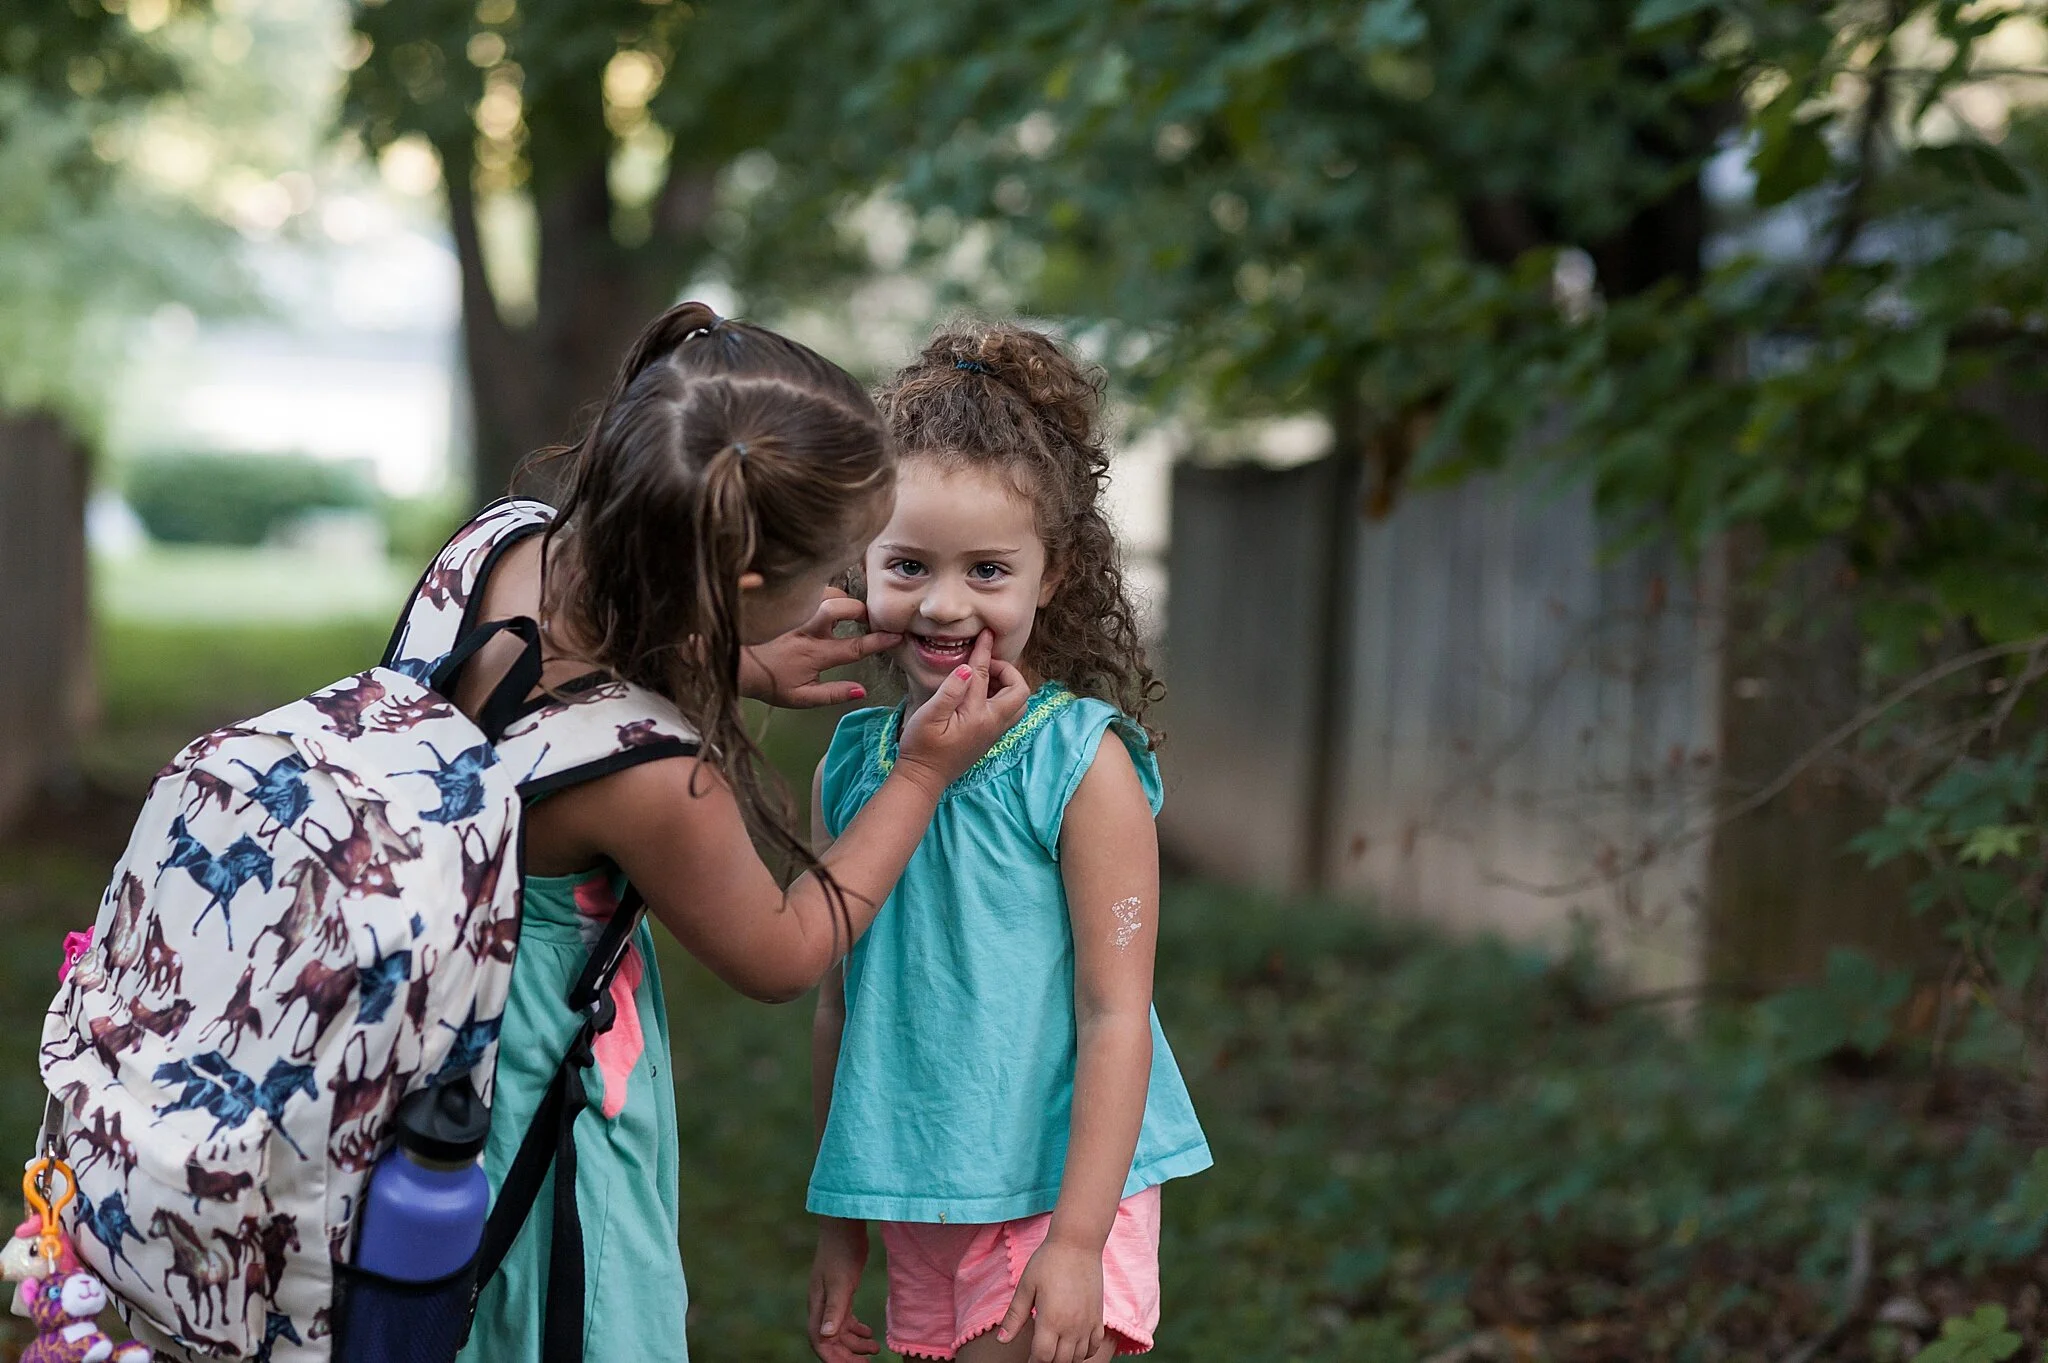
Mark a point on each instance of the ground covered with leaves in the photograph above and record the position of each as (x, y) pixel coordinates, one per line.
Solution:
(1426, 1149)
(1434, 1150)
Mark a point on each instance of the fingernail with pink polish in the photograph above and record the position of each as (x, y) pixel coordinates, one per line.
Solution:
(963, 671)
(860, 693)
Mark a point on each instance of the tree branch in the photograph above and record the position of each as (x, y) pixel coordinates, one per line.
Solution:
(1854, 1287)
(1834, 740)
(1869, 142)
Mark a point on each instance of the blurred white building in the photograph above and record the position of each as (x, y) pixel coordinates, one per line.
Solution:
(355, 357)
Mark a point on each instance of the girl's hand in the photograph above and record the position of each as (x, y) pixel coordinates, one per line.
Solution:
(977, 705)
(837, 1335)
(1063, 1285)
(788, 671)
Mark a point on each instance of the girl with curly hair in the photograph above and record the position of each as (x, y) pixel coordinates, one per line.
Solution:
(990, 1079)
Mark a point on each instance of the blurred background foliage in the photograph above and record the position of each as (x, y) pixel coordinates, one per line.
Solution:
(1754, 270)
(615, 148)
(1766, 270)
(85, 245)
(238, 499)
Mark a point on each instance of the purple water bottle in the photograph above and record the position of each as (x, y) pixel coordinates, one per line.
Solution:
(423, 1212)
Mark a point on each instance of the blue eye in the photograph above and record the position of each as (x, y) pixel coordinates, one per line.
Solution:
(906, 567)
(986, 572)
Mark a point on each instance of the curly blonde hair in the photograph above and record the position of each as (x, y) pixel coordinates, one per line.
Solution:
(1007, 397)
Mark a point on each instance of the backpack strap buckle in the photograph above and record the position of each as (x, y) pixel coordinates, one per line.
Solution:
(595, 983)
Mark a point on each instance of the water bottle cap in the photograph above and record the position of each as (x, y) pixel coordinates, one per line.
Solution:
(446, 1123)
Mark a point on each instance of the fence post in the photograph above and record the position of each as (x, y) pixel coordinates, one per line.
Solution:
(46, 694)
(1331, 659)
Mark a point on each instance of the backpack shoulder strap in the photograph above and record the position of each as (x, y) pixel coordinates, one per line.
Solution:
(550, 1144)
(443, 608)
(590, 728)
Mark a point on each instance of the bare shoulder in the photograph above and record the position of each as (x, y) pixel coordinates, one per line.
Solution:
(1110, 789)
(1112, 769)
(616, 815)
(654, 791)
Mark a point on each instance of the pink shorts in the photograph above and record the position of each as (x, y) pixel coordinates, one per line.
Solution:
(948, 1284)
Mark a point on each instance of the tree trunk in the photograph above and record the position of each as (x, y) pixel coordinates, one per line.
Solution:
(537, 385)
(46, 691)
(508, 386)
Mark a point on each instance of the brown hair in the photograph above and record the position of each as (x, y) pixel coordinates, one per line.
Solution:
(1007, 397)
(721, 449)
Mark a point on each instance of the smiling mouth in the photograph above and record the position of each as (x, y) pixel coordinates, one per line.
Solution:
(944, 653)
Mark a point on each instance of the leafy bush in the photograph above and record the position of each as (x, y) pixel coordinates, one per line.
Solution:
(1425, 1145)
(415, 528)
(1976, 827)
(238, 499)
(1981, 1338)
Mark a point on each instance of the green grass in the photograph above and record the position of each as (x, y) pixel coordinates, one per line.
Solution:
(200, 585)
(1419, 1142)
(162, 684)
(193, 674)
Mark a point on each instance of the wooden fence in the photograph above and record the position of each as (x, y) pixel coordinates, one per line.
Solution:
(45, 687)
(1491, 726)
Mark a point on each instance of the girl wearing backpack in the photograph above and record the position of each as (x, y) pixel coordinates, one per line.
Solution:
(731, 475)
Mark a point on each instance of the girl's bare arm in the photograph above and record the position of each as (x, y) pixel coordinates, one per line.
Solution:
(837, 1335)
(828, 1025)
(1109, 859)
(675, 829)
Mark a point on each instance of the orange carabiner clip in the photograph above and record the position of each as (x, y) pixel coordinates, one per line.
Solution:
(39, 1186)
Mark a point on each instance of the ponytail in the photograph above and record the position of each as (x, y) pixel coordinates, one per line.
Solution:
(725, 538)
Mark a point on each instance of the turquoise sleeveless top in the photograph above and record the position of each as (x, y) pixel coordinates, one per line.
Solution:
(627, 1153)
(956, 1069)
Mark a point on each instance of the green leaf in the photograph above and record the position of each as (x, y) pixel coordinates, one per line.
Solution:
(1353, 1270)
(1981, 1338)
(1391, 23)
(2014, 958)
(1657, 13)
(1995, 841)
(2028, 1199)
(1108, 82)
(1914, 361)
(1793, 159)
(1851, 1008)
(1972, 163)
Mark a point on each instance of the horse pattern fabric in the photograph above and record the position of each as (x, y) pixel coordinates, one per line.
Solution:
(316, 915)
(290, 945)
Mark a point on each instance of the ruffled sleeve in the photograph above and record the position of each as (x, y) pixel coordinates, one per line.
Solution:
(853, 766)
(1063, 752)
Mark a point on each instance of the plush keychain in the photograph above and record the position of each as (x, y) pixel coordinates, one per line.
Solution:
(63, 1301)
(22, 1260)
(39, 1249)
(64, 1310)
(54, 1291)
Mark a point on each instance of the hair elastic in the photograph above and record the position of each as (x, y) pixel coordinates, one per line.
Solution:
(695, 332)
(974, 367)
(739, 447)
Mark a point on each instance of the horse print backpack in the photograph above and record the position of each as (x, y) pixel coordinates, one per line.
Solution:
(316, 917)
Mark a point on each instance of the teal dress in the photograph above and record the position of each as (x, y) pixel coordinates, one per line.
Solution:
(955, 1086)
(626, 1145)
